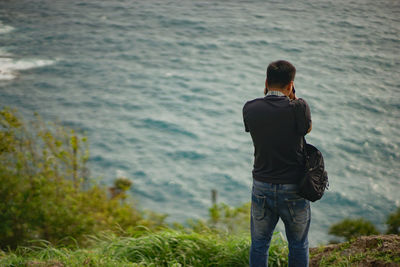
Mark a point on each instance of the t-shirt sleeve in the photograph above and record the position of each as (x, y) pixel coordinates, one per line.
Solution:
(246, 128)
(302, 116)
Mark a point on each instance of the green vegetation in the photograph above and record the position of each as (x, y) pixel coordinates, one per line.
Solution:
(225, 219)
(350, 228)
(162, 248)
(165, 248)
(393, 222)
(45, 191)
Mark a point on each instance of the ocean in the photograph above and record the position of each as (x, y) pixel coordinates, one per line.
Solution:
(159, 86)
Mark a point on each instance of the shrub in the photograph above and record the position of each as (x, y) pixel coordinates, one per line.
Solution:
(393, 222)
(44, 189)
(350, 228)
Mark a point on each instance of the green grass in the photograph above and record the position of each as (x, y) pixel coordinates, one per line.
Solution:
(165, 248)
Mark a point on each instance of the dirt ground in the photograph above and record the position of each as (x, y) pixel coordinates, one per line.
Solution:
(376, 251)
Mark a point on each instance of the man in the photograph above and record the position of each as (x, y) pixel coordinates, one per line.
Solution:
(277, 124)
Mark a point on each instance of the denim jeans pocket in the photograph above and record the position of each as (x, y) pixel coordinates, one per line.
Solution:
(299, 209)
(257, 206)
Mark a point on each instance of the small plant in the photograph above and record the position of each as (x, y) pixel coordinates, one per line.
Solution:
(121, 185)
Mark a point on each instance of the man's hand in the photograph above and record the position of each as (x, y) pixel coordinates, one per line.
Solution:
(292, 95)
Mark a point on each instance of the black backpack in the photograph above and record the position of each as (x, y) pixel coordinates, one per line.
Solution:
(315, 180)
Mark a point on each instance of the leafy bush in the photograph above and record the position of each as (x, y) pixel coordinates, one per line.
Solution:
(393, 222)
(350, 228)
(44, 189)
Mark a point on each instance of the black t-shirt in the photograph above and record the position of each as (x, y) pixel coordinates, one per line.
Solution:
(277, 126)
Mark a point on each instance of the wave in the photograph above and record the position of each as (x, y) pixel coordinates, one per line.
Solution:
(5, 28)
(10, 67)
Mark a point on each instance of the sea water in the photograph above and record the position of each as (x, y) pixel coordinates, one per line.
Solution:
(159, 86)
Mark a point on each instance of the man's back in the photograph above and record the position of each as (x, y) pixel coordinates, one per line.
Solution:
(277, 137)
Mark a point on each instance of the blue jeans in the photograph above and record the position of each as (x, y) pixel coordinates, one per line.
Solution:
(269, 202)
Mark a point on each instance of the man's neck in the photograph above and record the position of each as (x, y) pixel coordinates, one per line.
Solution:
(276, 93)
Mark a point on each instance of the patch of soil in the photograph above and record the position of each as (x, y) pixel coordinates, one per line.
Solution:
(387, 246)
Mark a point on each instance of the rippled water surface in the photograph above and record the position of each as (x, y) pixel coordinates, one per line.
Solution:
(159, 87)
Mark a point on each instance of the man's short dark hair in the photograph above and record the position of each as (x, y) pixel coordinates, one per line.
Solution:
(280, 73)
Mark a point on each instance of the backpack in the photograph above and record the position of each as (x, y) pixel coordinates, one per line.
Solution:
(315, 180)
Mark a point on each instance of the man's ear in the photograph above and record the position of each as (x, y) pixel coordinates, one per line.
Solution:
(266, 87)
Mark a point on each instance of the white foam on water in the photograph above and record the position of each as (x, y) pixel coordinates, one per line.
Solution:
(5, 28)
(10, 67)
